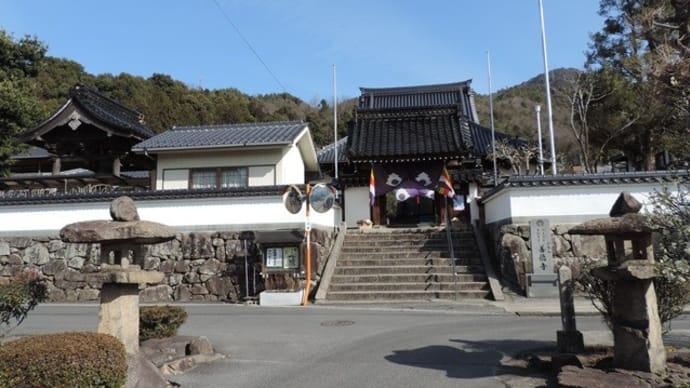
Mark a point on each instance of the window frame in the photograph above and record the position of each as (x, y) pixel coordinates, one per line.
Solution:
(218, 171)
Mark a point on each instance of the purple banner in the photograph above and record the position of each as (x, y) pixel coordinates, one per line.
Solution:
(408, 180)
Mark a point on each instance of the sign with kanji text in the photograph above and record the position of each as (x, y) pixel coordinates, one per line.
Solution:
(542, 253)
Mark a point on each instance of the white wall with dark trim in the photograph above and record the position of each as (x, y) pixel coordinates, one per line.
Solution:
(191, 214)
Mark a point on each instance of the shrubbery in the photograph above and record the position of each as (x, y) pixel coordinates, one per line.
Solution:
(63, 360)
(24, 292)
(670, 215)
(160, 321)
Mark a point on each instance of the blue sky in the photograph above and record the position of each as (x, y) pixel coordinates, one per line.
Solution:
(374, 43)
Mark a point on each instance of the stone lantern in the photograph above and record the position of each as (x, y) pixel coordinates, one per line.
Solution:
(636, 325)
(122, 240)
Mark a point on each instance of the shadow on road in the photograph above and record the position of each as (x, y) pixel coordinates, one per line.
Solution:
(473, 359)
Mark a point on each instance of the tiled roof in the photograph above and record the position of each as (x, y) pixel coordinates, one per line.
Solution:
(110, 111)
(113, 116)
(441, 95)
(668, 177)
(405, 135)
(254, 191)
(33, 152)
(224, 136)
(327, 153)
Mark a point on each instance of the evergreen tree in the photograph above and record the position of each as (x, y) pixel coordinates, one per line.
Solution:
(647, 42)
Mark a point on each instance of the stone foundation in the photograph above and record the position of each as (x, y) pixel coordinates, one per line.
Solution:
(513, 255)
(203, 267)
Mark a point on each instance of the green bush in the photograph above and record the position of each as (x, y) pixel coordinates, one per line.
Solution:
(63, 360)
(24, 292)
(160, 321)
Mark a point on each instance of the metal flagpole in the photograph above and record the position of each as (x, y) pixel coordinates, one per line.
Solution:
(537, 109)
(491, 114)
(335, 127)
(548, 90)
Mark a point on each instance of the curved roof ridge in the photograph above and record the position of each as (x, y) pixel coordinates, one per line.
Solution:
(81, 87)
(237, 125)
(417, 88)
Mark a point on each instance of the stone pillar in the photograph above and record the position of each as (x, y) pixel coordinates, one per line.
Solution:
(119, 314)
(569, 339)
(637, 327)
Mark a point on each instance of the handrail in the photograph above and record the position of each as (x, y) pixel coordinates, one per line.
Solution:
(329, 269)
(494, 284)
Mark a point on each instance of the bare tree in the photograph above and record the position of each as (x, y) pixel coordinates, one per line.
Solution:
(592, 128)
(517, 156)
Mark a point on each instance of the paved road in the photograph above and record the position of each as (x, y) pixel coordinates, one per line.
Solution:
(348, 347)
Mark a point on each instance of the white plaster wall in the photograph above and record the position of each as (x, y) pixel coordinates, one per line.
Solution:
(586, 202)
(261, 176)
(356, 205)
(205, 158)
(290, 169)
(257, 213)
(472, 199)
(497, 207)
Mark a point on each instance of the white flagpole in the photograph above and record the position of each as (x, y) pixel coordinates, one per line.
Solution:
(491, 114)
(548, 90)
(537, 109)
(335, 126)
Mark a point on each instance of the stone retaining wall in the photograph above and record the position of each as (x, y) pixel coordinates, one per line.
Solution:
(197, 266)
(512, 246)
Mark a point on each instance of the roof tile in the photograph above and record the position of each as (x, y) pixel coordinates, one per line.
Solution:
(224, 135)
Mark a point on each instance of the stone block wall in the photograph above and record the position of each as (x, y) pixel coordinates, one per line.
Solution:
(197, 266)
(513, 254)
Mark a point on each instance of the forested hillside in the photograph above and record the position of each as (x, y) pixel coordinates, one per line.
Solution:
(514, 109)
(166, 102)
(33, 85)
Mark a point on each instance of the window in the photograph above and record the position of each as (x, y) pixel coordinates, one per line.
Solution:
(286, 257)
(218, 178)
(235, 177)
(204, 179)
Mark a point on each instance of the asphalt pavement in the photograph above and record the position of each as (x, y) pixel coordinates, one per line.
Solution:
(414, 344)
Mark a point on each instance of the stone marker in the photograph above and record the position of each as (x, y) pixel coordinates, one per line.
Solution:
(540, 239)
(542, 282)
(121, 246)
(569, 339)
(636, 325)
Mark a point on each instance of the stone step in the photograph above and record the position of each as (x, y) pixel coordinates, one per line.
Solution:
(400, 245)
(409, 286)
(393, 248)
(407, 269)
(408, 277)
(408, 255)
(373, 247)
(383, 296)
(391, 260)
(406, 236)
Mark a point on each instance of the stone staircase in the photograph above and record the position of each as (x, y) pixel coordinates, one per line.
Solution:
(382, 265)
